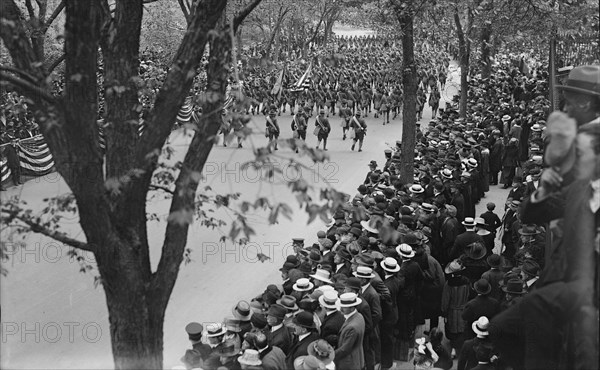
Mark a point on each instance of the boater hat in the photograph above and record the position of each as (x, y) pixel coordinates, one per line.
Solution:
(583, 80)
(480, 327)
(349, 300)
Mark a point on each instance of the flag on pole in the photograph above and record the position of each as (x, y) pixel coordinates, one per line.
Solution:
(278, 86)
(304, 81)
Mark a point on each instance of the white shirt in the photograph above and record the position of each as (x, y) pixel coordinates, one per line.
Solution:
(350, 314)
(364, 287)
(338, 267)
(276, 327)
(327, 313)
(531, 281)
(302, 336)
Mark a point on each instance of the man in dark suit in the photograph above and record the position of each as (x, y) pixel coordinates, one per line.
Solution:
(413, 277)
(280, 335)
(364, 275)
(389, 312)
(341, 262)
(467, 358)
(306, 333)
(469, 237)
(333, 320)
(508, 238)
(349, 352)
(482, 305)
(567, 290)
(449, 230)
(272, 357)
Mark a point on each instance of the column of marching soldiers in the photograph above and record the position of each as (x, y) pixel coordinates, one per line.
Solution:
(404, 252)
(352, 79)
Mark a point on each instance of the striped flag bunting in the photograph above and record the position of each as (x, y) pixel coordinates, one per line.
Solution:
(305, 80)
(4, 170)
(229, 100)
(34, 156)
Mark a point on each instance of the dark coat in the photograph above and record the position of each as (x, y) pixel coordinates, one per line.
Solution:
(330, 327)
(349, 353)
(273, 358)
(492, 220)
(466, 358)
(477, 307)
(372, 298)
(510, 157)
(462, 241)
(195, 356)
(282, 338)
(300, 348)
(389, 310)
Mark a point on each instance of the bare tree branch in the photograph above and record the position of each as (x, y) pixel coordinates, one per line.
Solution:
(29, 88)
(30, 10)
(184, 5)
(160, 187)
(56, 63)
(239, 18)
(56, 235)
(19, 72)
(53, 16)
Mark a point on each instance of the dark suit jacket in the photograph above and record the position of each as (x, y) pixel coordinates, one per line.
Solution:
(331, 326)
(466, 358)
(194, 357)
(349, 354)
(477, 307)
(372, 298)
(389, 310)
(282, 338)
(566, 258)
(462, 241)
(300, 348)
(273, 358)
(492, 220)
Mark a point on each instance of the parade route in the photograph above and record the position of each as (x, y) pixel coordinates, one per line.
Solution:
(52, 310)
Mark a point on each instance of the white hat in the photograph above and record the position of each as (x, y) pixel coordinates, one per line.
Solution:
(390, 264)
(303, 285)
(215, 329)
(416, 189)
(330, 299)
(366, 226)
(405, 251)
(322, 275)
(472, 162)
(469, 222)
(364, 272)
(349, 300)
(480, 327)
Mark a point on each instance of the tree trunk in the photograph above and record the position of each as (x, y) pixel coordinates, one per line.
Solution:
(136, 321)
(463, 52)
(409, 81)
(486, 50)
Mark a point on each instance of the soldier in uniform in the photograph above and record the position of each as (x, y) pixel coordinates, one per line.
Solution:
(360, 129)
(324, 129)
(273, 130)
(299, 126)
(346, 115)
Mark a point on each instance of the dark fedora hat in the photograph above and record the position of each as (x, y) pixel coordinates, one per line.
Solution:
(583, 80)
(528, 230)
(353, 283)
(482, 286)
(495, 260)
(344, 254)
(513, 286)
(304, 319)
(475, 251)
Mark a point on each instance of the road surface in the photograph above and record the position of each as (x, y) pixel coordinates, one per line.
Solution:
(54, 317)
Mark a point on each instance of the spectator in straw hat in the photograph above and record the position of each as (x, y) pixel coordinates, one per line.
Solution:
(389, 310)
(369, 295)
(323, 351)
(481, 305)
(332, 321)
(349, 353)
(465, 239)
(467, 358)
(413, 280)
(243, 313)
(250, 359)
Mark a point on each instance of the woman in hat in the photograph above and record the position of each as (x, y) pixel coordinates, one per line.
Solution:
(473, 259)
(454, 297)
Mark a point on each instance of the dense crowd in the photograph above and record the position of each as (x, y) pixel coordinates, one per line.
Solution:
(404, 251)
